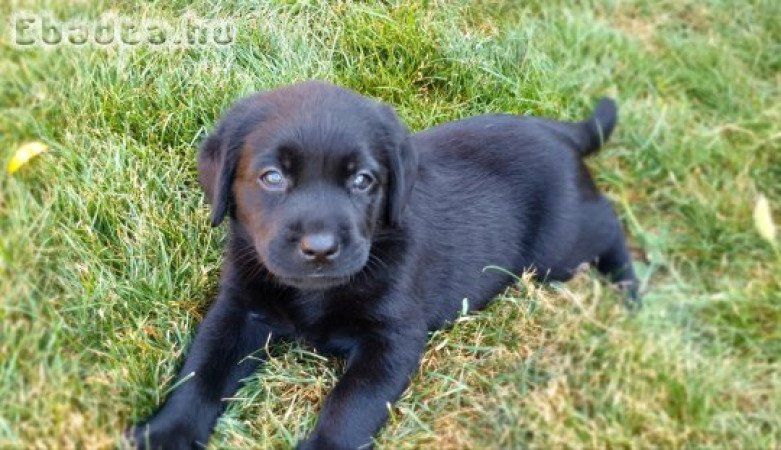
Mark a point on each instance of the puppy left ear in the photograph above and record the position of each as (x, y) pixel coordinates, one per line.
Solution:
(402, 161)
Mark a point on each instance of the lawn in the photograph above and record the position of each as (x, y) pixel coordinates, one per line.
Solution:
(107, 260)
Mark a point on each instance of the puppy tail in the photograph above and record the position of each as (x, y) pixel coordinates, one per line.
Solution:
(596, 130)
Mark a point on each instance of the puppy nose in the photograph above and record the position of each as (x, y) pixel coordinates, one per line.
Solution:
(319, 246)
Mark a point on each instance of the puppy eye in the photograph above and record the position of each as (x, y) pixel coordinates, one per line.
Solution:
(273, 180)
(362, 181)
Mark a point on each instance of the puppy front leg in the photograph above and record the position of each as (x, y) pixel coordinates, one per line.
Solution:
(217, 361)
(378, 371)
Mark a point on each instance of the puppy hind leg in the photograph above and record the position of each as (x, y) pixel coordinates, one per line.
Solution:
(616, 264)
(603, 243)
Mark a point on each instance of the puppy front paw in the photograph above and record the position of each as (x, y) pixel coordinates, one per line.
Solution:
(162, 434)
(319, 442)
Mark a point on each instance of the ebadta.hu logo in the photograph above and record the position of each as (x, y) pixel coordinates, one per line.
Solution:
(45, 30)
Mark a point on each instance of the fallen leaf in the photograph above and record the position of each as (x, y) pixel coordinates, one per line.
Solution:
(763, 220)
(25, 153)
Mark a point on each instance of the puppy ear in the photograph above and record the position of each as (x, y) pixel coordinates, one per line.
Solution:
(208, 165)
(219, 155)
(402, 167)
(216, 170)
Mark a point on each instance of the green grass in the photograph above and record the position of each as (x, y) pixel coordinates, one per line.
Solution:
(107, 262)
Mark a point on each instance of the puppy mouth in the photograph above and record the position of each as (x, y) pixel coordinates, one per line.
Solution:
(315, 281)
(314, 276)
(317, 278)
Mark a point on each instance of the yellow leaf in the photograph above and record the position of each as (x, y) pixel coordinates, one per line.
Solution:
(763, 219)
(25, 153)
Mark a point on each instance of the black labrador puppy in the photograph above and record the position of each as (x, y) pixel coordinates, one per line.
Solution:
(351, 234)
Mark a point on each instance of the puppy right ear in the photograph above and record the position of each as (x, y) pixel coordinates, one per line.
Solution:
(207, 165)
(214, 170)
(219, 154)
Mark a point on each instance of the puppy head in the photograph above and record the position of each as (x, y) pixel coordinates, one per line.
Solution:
(309, 173)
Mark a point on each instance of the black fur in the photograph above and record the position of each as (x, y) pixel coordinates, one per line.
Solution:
(392, 261)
